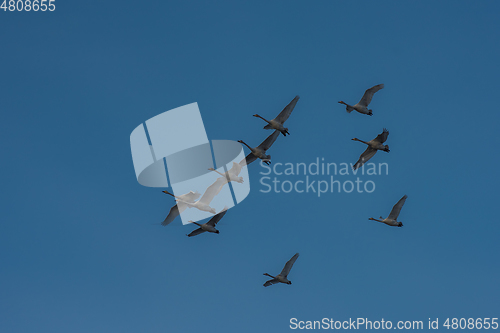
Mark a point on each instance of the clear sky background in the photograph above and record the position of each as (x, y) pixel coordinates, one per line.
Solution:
(80, 248)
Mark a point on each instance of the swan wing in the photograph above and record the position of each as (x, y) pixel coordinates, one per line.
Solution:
(235, 170)
(268, 142)
(368, 95)
(196, 232)
(382, 136)
(288, 265)
(365, 157)
(397, 208)
(214, 220)
(172, 214)
(248, 159)
(213, 190)
(270, 282)
(287, 111)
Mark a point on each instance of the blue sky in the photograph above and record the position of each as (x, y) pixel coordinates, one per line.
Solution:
(79, 247)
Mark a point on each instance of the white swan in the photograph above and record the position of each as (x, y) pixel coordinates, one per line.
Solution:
(210, 225)
(232, 174)
(260, 151)
(362, 105)
(393, 216)
(277, 123)
(187, 201)
(180, 206)
(373, 146)
(282, 277)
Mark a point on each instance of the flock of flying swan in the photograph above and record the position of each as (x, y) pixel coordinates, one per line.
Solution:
(189, 200)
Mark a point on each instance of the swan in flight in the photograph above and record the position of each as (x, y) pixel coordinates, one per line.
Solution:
(260, 151)
(277, 123)
(373, 146)
(210, 225)
(282, 277)
(393, 216)
(188, 201)
(362, 105)
(180, 206)
(232, 174)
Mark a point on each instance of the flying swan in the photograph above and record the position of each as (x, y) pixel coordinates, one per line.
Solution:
(373, 146)
(393, 216)
(282, 277)
(277, 123)
(260, 151)
(210, 225)
(362, 105)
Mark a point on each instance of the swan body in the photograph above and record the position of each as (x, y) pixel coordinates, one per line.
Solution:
(362, 105)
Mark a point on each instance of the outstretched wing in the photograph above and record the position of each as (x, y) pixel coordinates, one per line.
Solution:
(382, 136)
(268, 142)
(287, 111)
(214, 220)
(365, 157)
(213, 190)
(367, 97)
(174, 212)
(196, 232)
(397, 208)
(288, 265)
(235, 170)
(270, 282)
(248, 159)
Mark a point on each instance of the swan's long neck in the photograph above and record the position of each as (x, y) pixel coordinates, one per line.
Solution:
(218, 172)
(167, 192)
(241, 141)
(371, 218)
(256, 115)
(269, 275)
(342, 102)
(356, 139)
